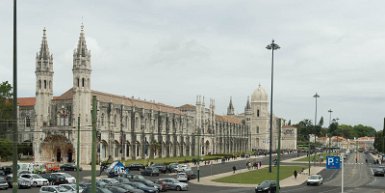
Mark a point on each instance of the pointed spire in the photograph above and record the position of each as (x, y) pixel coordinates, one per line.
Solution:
(44, 51)
(230, 109)
(248, 106)
(82, 45)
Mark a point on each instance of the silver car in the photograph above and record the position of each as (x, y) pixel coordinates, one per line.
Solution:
(71, 187)
(3, 183)
(35, 179)
(54, 189)
(314, 180)
(172, 184)
(68, 177)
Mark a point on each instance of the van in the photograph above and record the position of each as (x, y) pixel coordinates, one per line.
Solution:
(24, 168)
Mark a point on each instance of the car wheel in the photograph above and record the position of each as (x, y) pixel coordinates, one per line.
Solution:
(178, 188)
(34, 184)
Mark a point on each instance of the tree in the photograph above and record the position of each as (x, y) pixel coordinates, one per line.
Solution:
(5, 108)
(5, 149)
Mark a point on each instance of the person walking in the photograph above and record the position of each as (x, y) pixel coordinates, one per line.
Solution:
(295, 174)
(234, 169)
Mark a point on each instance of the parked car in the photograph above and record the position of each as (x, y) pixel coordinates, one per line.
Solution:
(182, 168)
(109, 181)
(182, 177)
(129, 188)
(55, 179)
(116, 189)
(72, 187)
(52, 167)
(171, 167)
(172, 184)
(70, 167)
(68, 177)
(162, 168)
(143, 187)
(150, 171)
(266, 186)
(314, 180)
(22, 183)
(135, 166)
(190, 174)
(122, 180)
(3, 184)
(35, 179)
(54, 189)
(98, 190)
(378, 171)
(150, 184)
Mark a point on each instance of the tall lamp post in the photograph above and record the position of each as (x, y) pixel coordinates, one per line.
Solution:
(273, 46)
(316, 96)
(330, 117)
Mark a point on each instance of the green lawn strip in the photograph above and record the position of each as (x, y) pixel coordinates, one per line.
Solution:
(257, 176)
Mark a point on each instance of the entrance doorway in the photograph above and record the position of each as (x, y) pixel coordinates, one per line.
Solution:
(69, 155)
(58, 155)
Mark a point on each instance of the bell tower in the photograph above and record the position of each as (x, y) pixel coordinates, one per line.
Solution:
(44, 92)
(81, 72)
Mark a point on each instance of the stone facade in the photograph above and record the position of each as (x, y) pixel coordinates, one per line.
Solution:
(129, 128)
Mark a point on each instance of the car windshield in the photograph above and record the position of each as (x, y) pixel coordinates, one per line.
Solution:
(62, 189)
(265, 183)
(66, 175)
(36, 176)
(313, 177)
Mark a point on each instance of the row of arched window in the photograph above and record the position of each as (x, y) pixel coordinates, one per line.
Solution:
(44, 84)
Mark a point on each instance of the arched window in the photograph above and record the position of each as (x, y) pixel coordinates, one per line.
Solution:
(45, 84)
(27, 121)
(82, 82)
(258, 113)
(78, 81)
(257, 129)
(102, 118)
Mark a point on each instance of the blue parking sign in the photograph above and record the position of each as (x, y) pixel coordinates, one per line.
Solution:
(333, 162)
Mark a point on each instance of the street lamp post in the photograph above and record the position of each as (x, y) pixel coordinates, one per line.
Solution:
(330, 117)
(273, 46)
(316, 96)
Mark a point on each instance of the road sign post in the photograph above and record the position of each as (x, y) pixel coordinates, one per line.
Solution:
(333, 162)
(336, 162)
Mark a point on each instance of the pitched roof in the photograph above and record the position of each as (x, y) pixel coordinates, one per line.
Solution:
(227, 119)
(26, 101)
(115, 99)
(187, 107)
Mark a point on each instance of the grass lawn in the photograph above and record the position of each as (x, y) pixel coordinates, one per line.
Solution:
(257, 176)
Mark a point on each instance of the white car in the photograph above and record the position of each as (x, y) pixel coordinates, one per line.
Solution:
(182, 177)
(35, 179)
(314, 180)
(182, 168)
(54, 189)
(69, 178)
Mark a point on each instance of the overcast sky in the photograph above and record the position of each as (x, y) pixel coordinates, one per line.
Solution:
(171, 51)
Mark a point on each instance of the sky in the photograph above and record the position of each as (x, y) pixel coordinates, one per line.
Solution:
(171, 51)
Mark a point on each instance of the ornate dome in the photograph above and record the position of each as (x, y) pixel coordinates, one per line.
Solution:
(259, 95)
